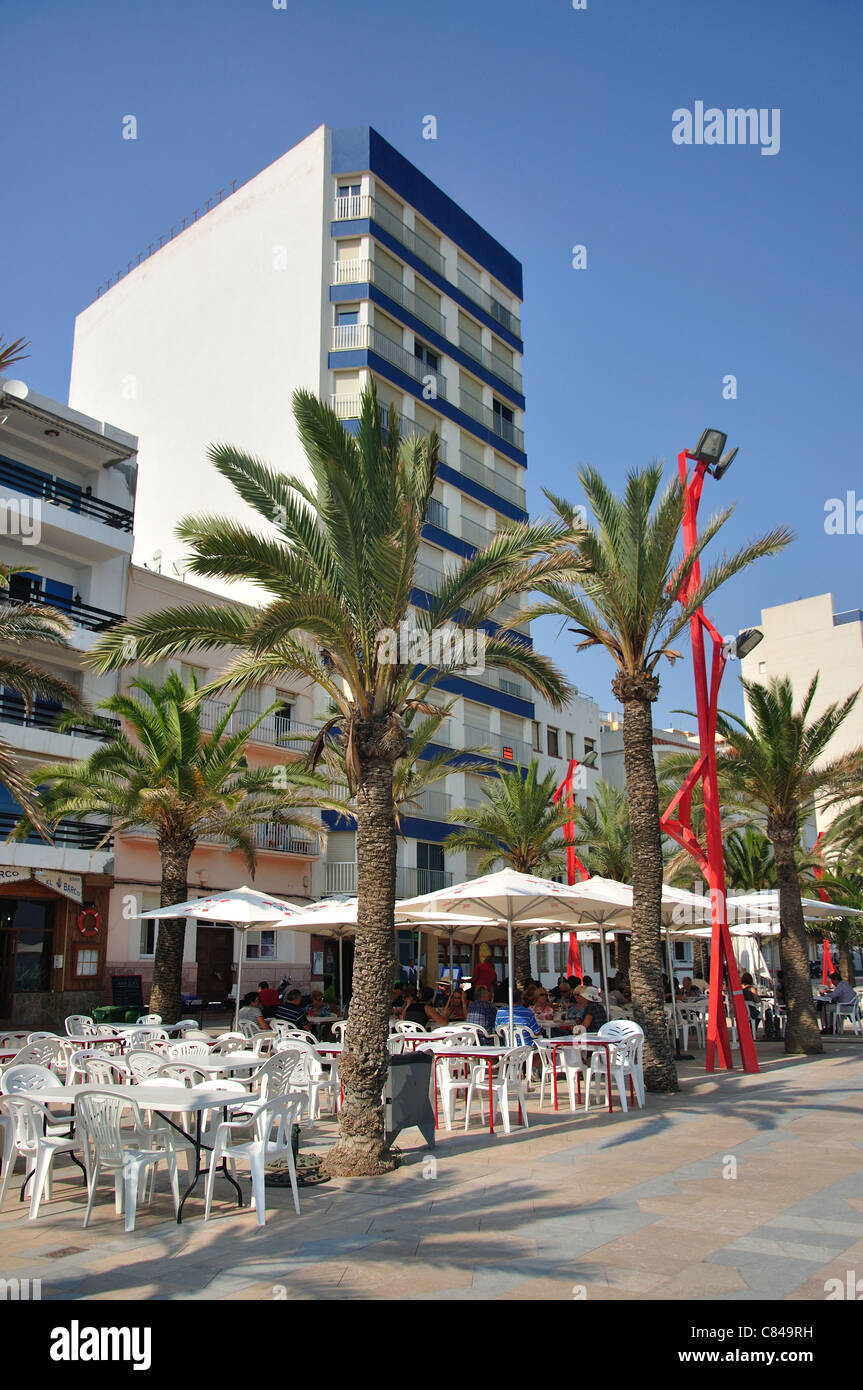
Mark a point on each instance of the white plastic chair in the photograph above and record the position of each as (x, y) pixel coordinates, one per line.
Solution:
(229, 1042)
(269, 1140)
(32, 1141)
(453, 1075)
(29, 1077)
(148, 1018)
(275, 1077)
(338, 1029)
(622, 1065)
(410, 1029)
(545, 1052)
(312, 1077)
(37, 1037)
(143, 1065)
(176, 1052)
(94, 1069)
(47, 1052)
(80, 1026)
(509, 1082)
(290, 1036)
(849, 1010)
(145, 1037)
(108, 1146)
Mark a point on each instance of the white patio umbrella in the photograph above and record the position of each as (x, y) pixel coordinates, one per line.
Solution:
(765, 904)
(337, 918)
(518, 900)
(244, 908)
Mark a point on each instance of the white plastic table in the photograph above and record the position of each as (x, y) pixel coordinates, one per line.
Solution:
(165, 1100)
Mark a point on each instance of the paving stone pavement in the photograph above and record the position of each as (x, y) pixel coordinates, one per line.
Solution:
(740, 1187)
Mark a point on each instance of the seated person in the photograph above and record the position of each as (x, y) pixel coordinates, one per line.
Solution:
(688, 990)
(399, 1000)
(536, 998)
(481, 1011)
(617, 991)
(250, 1011)
(458, 1005)
(317, 1005)
(562, 992)
(522, 1016)
(413, 1011)
(268, 999)
(586, 1011)
(839, 993)
(291, 1010)
(434, 1018)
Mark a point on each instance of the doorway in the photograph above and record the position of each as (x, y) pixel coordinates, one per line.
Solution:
(214, 953)
(26, 949)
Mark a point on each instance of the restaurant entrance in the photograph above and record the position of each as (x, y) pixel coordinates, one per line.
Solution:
(26, 949)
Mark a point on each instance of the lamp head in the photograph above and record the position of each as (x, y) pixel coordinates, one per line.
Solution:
(724, 464)
(709, 447)
(736, 648)
(589, 759)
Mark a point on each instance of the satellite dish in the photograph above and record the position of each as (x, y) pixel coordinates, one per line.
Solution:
(17, 388)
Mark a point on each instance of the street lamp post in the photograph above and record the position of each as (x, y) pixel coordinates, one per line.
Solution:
(677, 821)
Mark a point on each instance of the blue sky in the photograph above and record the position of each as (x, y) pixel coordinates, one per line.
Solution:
(554, 129)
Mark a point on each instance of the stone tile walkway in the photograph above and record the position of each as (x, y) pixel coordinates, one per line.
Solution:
(740, 1187)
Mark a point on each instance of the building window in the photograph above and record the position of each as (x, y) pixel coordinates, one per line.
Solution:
(553, 742)
(86, 962)
(349, 190)
(502, 413)
(148, 939)
(570, 746)
(260, 945)
(349, 313)
(537, 736)
(589, 746)
(426, 356)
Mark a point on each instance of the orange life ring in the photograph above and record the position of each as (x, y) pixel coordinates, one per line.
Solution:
(95, 922)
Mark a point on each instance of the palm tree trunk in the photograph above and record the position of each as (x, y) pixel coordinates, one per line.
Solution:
(802, 1033)
(636, 694)
(521, 952)
(362, 1149)
(846, 960)
(171, 935)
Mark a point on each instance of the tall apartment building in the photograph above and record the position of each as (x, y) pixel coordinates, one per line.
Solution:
(67, 487)
(805, 638)
(339, 264)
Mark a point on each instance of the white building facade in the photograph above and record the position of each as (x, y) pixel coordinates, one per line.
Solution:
(339, 264)
(807, 638)
(67, 488)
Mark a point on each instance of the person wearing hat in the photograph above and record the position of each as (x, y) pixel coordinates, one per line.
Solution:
(589, 988)
(586, 1010)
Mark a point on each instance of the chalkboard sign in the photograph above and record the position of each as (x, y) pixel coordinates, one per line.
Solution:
(408, 1096)
(127, 989)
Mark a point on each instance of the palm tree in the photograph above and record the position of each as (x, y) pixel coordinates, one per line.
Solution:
(29, 622)
(843, 883)
(602, 834)
(518, 824)
(186, 786)
(338, 568)
(777, 762)
(749, 862)
(625, 600)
